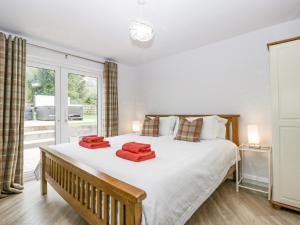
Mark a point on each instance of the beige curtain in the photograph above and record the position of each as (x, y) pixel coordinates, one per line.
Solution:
(110, 99)
(12, 92)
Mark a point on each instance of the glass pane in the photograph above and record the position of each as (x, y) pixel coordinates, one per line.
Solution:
(82, 106)
(39, 116)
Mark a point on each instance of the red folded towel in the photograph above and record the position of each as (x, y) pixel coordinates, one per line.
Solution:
(135, 157)
(92, 138)
(94, 145)
(136, 147)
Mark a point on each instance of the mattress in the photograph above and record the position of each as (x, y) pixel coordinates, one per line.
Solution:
(181, 177)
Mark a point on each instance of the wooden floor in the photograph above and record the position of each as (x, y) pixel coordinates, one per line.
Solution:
(224, 207)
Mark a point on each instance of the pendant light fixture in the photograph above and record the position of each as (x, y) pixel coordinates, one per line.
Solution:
(141, 30)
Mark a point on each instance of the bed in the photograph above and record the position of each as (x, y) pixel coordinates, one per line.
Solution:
(107, 190)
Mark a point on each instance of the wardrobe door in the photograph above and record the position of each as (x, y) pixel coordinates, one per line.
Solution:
(285, 70)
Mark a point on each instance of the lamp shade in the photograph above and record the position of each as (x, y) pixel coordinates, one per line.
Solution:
(253, 134)
(136, 126)
(141, 30)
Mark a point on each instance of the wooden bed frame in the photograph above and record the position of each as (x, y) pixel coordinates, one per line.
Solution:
(97, 196)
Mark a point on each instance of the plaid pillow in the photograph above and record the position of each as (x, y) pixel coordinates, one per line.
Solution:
(151, 127)
(189, 131)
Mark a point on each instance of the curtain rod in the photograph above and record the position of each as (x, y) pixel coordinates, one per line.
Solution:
(69, 54)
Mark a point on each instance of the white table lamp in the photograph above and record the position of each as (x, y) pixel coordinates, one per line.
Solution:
(253, 135)
(136, 126)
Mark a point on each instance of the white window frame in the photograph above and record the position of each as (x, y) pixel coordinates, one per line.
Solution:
(57, 100)
(64, 101)
(60, 67)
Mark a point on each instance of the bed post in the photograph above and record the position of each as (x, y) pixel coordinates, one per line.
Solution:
(138, 213)
(235, 130)
(43, 173)
(135, 215)
(235, 139)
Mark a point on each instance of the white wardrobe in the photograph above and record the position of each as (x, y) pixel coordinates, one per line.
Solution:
(285, 76)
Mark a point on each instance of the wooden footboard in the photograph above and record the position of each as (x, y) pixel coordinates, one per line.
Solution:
(97, 197)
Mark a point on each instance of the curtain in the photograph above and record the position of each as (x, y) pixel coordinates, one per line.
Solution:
(110, 99)
(12, 92)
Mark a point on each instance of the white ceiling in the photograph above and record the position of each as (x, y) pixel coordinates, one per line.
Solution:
(100, 28)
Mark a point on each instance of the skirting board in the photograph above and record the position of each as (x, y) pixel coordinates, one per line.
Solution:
(278, 205)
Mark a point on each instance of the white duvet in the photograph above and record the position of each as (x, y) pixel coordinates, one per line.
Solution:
(181, 177)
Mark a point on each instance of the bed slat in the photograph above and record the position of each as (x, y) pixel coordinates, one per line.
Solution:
(81, 190)
(113, 211)
(87, 196)
(105, 207)
(99, 204)
(93, 194)
(121, 214)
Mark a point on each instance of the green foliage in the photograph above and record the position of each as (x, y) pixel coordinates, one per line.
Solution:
(44, 79)
(81, 90)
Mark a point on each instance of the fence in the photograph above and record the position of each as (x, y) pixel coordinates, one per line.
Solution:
(90, 109)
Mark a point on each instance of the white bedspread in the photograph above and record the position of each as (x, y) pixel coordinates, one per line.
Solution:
(181, 177)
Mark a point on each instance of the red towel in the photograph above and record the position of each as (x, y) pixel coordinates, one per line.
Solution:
(136, 147)
(135, 157)
(94, 145)
(92, 138)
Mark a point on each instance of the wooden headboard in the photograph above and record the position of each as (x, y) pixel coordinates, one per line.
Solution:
(232, 126)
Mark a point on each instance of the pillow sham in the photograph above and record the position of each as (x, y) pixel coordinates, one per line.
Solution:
(166, 125)
(222, 127)
(189, 130)
(150, 127)
(176, 126)
(210, 128)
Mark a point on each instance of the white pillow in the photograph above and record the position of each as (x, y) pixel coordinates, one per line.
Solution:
(176, 126)
(222, 127)
(166, 125)
(210, 127)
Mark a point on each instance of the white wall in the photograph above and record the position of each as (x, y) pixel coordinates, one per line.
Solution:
(231, 76)
(126, 89)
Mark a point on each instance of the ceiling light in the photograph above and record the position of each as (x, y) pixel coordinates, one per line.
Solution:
(140, 30)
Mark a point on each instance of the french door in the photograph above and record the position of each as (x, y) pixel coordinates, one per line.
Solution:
(41, 116)
(61, 105)
(80, 92)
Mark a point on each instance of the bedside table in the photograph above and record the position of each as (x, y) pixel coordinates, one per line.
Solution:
(240, 170)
